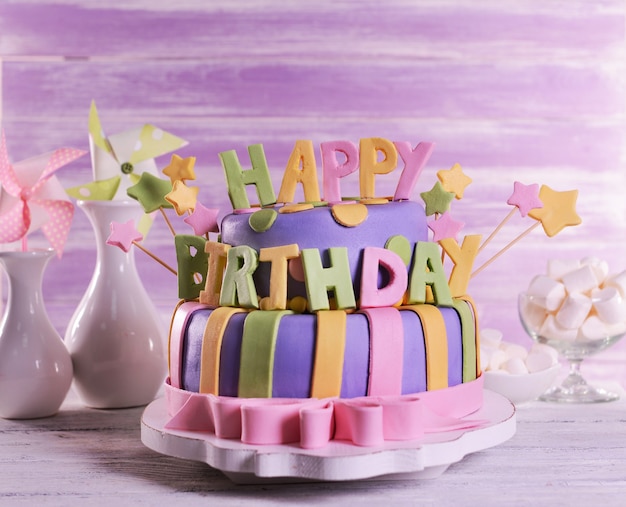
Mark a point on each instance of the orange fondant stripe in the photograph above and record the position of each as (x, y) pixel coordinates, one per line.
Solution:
(212, 346)
(330, 346)
(436, 342)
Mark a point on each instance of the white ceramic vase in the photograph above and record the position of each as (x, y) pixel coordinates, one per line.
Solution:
(115, 337)
(35, 365)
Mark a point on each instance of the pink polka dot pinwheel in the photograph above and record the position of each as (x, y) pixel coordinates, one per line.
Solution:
(31, 197)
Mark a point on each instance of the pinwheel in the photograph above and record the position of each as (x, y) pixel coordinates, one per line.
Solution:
(31, 197)
(119, 160)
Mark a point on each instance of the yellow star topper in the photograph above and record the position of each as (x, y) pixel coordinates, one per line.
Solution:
(558, 211)
(180, 168)
(182, 197)
(454, 180)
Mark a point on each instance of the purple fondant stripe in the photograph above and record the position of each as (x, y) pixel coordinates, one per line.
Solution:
(414, 364)
(455, 346)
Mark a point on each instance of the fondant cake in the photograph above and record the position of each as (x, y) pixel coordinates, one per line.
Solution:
(328, 319)
(325, 319)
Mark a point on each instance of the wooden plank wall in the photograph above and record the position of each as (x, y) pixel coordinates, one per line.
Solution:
(511, 89)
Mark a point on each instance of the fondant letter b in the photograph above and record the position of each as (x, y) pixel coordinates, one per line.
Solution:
(189, 264)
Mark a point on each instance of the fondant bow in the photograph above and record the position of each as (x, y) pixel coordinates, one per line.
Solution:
(31, 197)
(119, 160)
(365, 421)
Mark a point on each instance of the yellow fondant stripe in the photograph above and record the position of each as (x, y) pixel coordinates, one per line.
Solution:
(469, 339)
(472, 306)
(212, 346)
(258, 344)
(330, 345)
(436, 342)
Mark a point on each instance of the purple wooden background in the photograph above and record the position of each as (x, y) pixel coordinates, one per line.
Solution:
(531, 91)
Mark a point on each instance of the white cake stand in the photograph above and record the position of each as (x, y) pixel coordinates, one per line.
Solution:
(338, 461)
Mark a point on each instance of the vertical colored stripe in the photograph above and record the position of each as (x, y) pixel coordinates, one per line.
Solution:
(175, 345)
(212, 346)
(386, 351)
(414, 366)
(436, 344)
(169, 336)
(258, 344)
(472, 307)
(330, 345)
(469, 339)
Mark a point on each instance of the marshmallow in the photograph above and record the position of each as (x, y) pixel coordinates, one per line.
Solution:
(593, 329)
(513, 350)
(498, 358)
(533, 315)
(573, 311)
(538, 361)
(511, 358)
(516, 366)
(609, 305)
(490, 337)
(599, 267)
(546, 292)
(582, 280)
(553, 331)
(559, 267)
(619, 282)
(485, 357)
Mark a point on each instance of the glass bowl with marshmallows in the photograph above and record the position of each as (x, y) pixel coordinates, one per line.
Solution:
(579, 309)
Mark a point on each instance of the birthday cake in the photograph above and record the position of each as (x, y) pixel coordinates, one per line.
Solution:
(331, 318)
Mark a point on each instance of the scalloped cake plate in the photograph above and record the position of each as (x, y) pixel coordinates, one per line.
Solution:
(338, 461)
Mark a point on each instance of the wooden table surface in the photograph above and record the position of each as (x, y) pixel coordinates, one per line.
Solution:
(560, 455)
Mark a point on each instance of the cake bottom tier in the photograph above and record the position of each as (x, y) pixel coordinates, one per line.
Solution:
(279, 354)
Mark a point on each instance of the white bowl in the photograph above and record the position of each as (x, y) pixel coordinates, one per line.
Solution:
(521, 388)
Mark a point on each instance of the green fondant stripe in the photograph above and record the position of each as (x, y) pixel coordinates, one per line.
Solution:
(468, 331)
(258, 344)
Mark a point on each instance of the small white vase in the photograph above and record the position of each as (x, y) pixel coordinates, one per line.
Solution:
(115, 337)
(35, 365)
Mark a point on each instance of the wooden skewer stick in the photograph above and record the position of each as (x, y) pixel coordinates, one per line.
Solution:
(497, 229)
(521, 236)
(167, 221)
(160, 261)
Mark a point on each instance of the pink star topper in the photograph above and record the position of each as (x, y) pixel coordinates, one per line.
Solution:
(525, 197)
(123, 235)
(445, 227)
(203, 220)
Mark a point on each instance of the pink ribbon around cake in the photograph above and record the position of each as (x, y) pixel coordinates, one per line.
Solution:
(313, 423)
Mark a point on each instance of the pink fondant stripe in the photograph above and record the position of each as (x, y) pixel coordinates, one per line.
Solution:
(365, 421)
(386, 351)
(179, 323)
